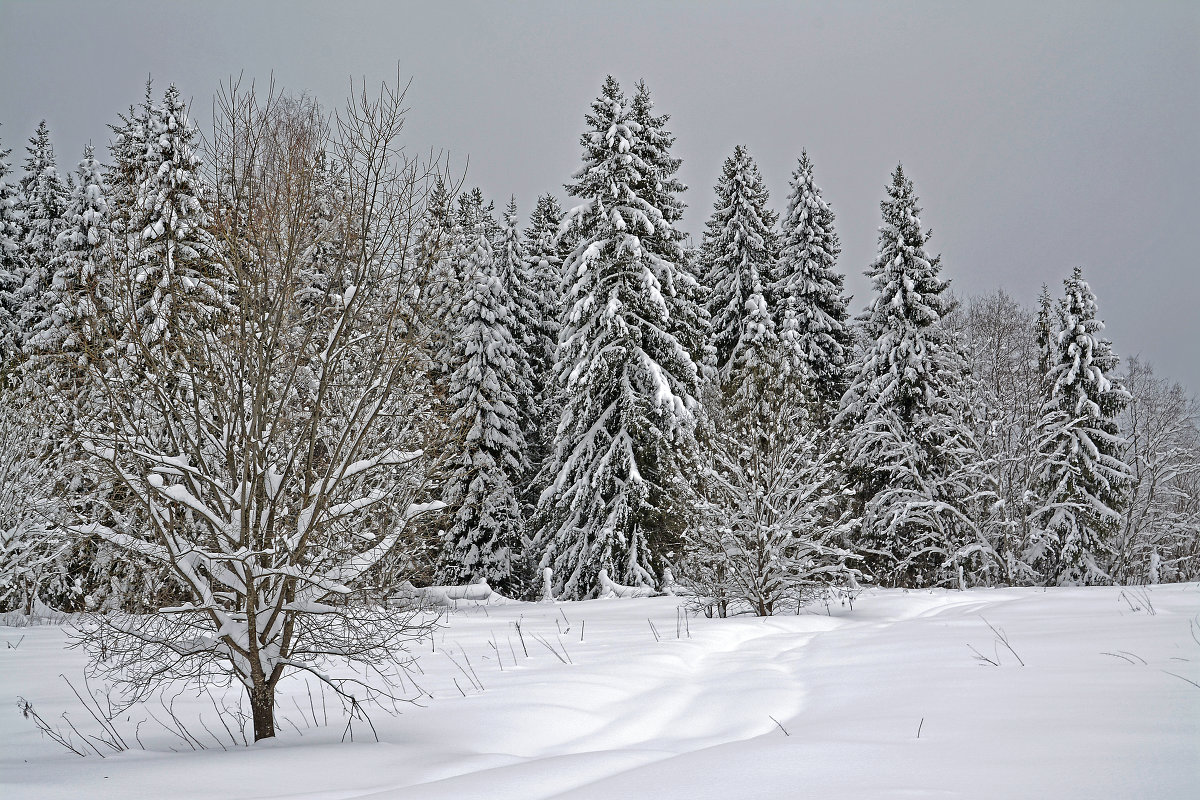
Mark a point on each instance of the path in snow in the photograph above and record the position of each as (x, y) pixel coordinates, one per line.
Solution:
(692, 717)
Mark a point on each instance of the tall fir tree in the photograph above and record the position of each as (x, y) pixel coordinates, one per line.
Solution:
(527, 326)
(484, 473)
(736, 257)
(1084, 480)
(174, 280)
(1046, 332)
(12, 264)
(129, 159)
(658, 183)
(541, 286)
(44, 198)
(473, 211)
(439, 249)
(544, 255)
(629, 385)
(908, 450)
(78, 293)
(810, 303)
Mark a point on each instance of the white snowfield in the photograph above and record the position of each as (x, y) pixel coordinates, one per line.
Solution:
(887, 700)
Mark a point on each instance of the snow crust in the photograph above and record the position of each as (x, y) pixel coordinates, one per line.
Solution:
(632, 714)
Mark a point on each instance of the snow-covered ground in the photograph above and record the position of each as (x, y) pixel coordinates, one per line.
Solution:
(885, 700)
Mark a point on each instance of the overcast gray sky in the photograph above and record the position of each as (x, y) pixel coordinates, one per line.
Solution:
(1040, 135)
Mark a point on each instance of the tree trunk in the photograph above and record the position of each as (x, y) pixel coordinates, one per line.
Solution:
(262, 706)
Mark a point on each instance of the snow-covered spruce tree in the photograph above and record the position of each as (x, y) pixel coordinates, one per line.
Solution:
(473, 211)
(78, 291)
(629, 386)
(128, 153)
(44, 199)
(807, 292)
(527, 326)
(1047, 355)
(439, 249)
(1084, 478)
(736, 258)
(171, 280)
(541, 286)
(76, 330)
(293, 472)
(12, 265)
(908, 448)
(487, 459)
(448, 239)
(658, 184)
(542, 282)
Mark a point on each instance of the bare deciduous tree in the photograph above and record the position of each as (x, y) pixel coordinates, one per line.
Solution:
(1159, 537)
(273, 452)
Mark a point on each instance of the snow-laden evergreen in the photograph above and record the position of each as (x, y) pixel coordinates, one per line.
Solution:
(657, 183)
(909, 451)
(12, 262)
(527, 327)
(78, 293)
(1084, 479)
(44, 198)
(736, 257)
(629, 385)
(487, 463)
(128, 151)
(540, 286)
(808, 292)
(473, 211)
(439, 250)
(173, 274)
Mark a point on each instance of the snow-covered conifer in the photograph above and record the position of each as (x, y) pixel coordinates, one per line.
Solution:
(544, 252)
(173, 267)
(77, 295)
(128, 159)
(627, 382)
(736, 257)
(908, 450)
(44, 198)
(12, 263)
(527, 326)
(657, 183)
(488, 461)
(810, 303)
(1084, 479)
(474, 211)
(541, 285)
(439, 247)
